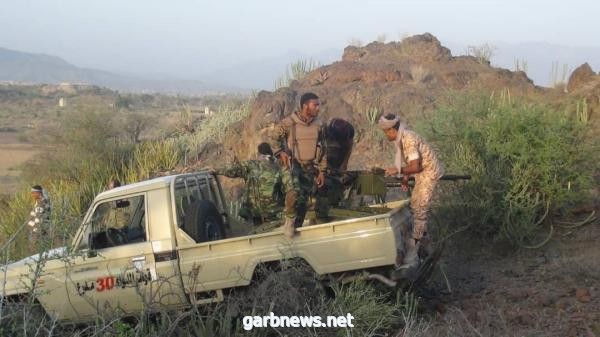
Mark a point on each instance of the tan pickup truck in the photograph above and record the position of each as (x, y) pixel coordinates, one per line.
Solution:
(166, 243)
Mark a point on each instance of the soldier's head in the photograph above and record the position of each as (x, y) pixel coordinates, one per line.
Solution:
(37, 192)
(113, 183)
(265, 149)
(309, 105)
(390, 124)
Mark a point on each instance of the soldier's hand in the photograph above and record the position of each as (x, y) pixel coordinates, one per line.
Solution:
(391, 171)
(285, 159)
(321, 179)
(404, 185)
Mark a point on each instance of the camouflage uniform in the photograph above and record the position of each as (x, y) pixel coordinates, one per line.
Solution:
(263, 196)
(39, 219)
(409, 147)
(301, 140)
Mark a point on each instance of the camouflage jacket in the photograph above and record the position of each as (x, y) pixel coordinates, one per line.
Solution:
(263, 194)
(39, 217)
(410, 146)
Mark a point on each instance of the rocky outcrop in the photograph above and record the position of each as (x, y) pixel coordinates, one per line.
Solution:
(406, 78)
(582, 75)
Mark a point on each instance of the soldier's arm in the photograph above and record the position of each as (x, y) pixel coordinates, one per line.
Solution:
(410, 146)
(38, 213)
(32, 217)
(322, 159)
(235, 170)
(279, 136)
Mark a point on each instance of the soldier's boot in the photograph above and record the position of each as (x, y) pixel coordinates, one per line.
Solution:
(289, 228)
(425, 246)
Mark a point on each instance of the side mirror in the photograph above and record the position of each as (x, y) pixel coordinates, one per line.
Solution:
(92, 253)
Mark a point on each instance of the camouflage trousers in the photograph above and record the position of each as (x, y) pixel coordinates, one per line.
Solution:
(420, 204)
(259, 211)
(299, 185)
(40, 237)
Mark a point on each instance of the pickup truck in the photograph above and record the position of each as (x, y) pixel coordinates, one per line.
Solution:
(166, 243)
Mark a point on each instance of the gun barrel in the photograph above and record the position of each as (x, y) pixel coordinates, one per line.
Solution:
(456, 177)
(397, 182)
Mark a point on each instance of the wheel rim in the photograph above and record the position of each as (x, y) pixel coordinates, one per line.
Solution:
(211, 230)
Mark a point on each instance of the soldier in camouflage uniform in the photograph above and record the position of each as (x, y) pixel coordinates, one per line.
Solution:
(263, 196)
(413, 157)
(39, 217)
(297, 142)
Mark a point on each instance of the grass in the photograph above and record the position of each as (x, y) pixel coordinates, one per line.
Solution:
(295, 72)
(290, 289)
(530, 164)
(483, 53)
(558, 75)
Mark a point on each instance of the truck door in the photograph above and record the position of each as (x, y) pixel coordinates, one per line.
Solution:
(115, 269)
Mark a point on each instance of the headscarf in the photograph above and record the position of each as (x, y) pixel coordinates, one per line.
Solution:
(385, 123)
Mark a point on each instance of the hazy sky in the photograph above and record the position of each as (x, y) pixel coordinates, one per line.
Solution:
(186, 38)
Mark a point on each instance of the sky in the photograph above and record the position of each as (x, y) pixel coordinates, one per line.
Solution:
(186, 38)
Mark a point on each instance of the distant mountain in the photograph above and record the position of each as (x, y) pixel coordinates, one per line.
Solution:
(40, 68)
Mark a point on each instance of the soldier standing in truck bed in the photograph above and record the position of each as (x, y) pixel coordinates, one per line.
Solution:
(297, 143)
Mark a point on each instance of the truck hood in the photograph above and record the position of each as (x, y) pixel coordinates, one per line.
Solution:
(50, 254)
(18, 275)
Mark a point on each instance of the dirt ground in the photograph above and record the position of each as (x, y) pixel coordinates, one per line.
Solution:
(552, 291)
(12, 154)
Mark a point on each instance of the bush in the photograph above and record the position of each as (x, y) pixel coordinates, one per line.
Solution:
(529, 164)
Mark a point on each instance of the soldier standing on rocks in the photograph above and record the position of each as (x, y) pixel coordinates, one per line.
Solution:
(297, 143)
(413, 157)
(263, 197)
(39, 217)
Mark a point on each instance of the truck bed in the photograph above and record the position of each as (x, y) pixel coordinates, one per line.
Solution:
(332, 247)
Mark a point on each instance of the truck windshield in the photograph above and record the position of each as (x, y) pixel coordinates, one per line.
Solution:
(116, 223)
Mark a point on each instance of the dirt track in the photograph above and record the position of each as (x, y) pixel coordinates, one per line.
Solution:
(553, 291)
(13, 154)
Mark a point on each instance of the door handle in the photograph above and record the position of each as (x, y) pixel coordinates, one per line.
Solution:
(138, 259)
(139, 262)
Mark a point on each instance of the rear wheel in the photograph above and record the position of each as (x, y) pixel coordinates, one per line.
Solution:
(203, 222)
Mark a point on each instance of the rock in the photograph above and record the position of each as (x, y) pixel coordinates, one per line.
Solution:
(582, 75)
(583, 295)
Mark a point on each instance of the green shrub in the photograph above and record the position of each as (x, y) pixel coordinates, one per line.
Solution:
(529, 163)
(295, 72)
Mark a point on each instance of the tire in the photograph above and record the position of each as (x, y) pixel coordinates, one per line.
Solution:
(203, 222)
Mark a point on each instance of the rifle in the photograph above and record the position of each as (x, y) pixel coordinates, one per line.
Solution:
(374, 181)
(397, 182)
